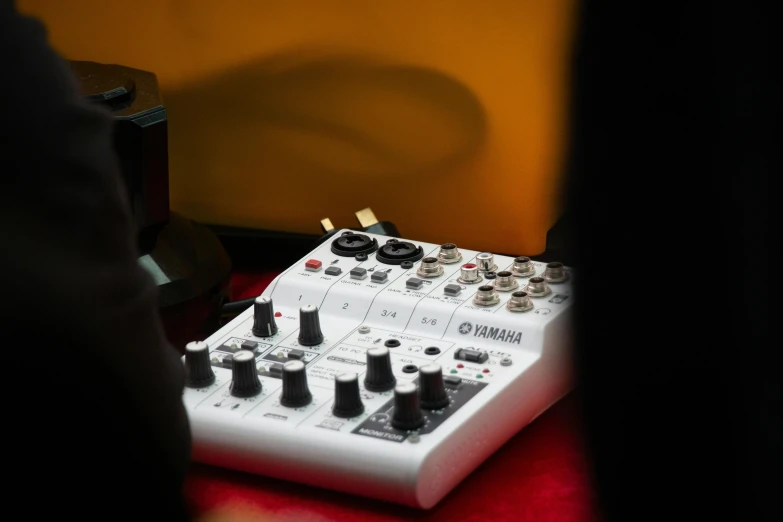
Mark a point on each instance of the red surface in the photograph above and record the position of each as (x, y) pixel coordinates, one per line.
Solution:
(540, 475)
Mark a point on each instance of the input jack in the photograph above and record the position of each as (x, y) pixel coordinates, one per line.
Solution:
(486, 296)
(537, 287)
(486, 262)
(523, 267)
(519, 302)
(430, 267)
(469, 274)
(449, 253)
(555, 273)
(505, 282)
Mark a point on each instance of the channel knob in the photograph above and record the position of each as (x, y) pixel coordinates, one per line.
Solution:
(295, 391)
(264, 317)
(347, 401)
(407, 411)
(309, 326)
(244, 376)
(379, 376)
(198, 367)
(432, 388)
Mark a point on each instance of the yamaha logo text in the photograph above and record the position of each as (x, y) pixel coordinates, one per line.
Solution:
(491, 332)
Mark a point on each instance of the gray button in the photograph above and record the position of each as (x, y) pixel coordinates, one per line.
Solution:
(452, 289)
(358, 273)
(276, 370)
(333, 270)
(296, 354)
(414, 282)
(452, 380)
(249, 345)
(379, 277)
(467, 354)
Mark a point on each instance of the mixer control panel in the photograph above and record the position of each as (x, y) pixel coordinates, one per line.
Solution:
(383, 367)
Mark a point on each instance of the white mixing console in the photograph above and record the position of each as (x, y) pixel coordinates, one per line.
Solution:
(386, 368)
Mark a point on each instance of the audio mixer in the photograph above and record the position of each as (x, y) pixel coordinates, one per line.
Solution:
(386, 368)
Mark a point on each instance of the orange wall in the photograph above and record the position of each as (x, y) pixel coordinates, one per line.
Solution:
(446, 117)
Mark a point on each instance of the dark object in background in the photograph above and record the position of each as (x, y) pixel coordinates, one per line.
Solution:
(140, 139)
(186, 260)
(675, 118)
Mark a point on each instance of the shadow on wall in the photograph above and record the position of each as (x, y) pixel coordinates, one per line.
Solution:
(263, 139)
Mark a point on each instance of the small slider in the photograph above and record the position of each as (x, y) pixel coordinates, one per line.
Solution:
(276, 370)
(249, 345)
(452, 381)
(471, 355)
(296, 354)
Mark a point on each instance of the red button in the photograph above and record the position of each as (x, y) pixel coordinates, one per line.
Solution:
(486, 370)
(460, 366)
(278, 314)
(313, 264)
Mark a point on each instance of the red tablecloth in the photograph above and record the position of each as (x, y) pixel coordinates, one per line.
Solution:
(541, 475)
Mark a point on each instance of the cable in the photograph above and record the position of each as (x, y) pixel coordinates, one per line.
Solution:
(235, 307)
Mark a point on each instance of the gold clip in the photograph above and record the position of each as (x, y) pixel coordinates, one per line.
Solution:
(366, 217)
(326, 224)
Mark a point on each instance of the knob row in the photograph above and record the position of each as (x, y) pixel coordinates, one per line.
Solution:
(409, 399)
(264, 324)
(244, 375)
(199, 374)
(295, 392)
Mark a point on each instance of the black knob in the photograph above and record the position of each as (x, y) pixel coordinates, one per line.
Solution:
(347, 401)
(198, 368)
(295, 391)
(264, 318)
(432, 388)
(244, 376)
(309, 326)
(407, 412)
(379, 376)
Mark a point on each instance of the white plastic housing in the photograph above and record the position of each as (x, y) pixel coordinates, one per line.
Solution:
(310, 446)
